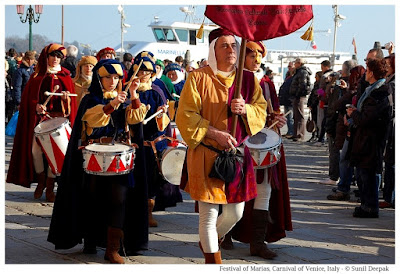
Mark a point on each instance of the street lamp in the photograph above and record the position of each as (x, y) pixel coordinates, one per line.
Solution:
(337, 17)
(30, 17)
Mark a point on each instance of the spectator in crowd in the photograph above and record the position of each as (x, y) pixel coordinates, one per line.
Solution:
(12, 62)
(191, 66)
(312, 104)
(71, 60)
(286, 100)
(167, 82)
(203, 63)
(389, 180)
(369, 120)
(323, 103)
(83, 77)
(127, 61)
(167, 62)
(22, 75)
(8, 94)
(179, 60)
(300, 88)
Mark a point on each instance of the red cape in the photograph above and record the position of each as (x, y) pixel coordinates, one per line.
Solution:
(21, 170)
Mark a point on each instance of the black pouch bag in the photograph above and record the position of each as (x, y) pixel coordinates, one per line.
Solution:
(226, 164)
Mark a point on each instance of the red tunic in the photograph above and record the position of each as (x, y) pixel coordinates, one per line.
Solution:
(21, 170)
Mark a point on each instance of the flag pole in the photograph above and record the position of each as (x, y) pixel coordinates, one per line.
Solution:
(239, 81)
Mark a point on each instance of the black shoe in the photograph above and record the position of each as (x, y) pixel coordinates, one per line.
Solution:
(334, 189)
(360, 213)
(339, 196)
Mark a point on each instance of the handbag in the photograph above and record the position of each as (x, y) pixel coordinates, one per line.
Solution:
(226, 165)
(12, 125)
(310, 125)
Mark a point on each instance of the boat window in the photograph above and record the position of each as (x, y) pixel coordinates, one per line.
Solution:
(169, 34)
(182, 34)
(192, 34)
(159, 34)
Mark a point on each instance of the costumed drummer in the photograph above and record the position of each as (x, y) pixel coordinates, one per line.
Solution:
(272, 186)
(28, 163)
(204, 116)
(150, 99)
(105, 211)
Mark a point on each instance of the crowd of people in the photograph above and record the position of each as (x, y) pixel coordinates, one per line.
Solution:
(132, 103)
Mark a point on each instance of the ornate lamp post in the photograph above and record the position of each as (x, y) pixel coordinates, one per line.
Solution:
(30, 17)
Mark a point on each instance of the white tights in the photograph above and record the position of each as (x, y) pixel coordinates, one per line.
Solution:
(213, 227)
(37, 155)
(263, 193)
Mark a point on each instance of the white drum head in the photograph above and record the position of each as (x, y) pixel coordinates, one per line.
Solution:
(50, 125)
(105, 148)
(264, 139)
(172, 163)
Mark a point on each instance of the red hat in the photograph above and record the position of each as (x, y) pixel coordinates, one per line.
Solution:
(218, 33)
(105, 51)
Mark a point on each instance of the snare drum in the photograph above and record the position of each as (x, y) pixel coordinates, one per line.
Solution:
(108, 159)
(172, 163)
(53, 137)
(264, 148)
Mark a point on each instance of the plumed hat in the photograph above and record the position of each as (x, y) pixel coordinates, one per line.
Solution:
(172, 66)
(147, 65)
(41, 66)
(105, 51)
(103, 68)
(218, 33)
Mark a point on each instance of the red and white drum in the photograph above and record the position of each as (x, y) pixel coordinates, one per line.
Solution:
(172, 162)
(264, 148)
(108, 159)
(53, 137)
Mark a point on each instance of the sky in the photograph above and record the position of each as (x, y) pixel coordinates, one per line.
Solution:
(99, 25)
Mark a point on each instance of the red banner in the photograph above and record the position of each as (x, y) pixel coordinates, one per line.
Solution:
(257, 23)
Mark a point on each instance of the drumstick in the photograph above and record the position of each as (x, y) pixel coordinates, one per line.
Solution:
(286, 114)
(56, 87)
(176, 95)
(154, 115)
(133, 76)
(59, 94)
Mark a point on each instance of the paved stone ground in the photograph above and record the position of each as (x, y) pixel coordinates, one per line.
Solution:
(324, 232)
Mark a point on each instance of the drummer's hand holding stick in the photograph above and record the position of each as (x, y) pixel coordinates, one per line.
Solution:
(41, 108)
(280, 120)
(238, 106)
(223, 138)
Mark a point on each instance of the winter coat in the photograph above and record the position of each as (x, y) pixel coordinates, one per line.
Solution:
(390, 148)
(21, 77)
(70, 63)
(285, 99)
(369, 130)
(301, 84)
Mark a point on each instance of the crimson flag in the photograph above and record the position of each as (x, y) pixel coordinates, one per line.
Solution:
(256, 22)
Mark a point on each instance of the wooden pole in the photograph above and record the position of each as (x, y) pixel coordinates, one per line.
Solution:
(239, 78)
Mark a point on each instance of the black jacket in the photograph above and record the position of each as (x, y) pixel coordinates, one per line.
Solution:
(285, 99)
(369, 130)
(301, 84)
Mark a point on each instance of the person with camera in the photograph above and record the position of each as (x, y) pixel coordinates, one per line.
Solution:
(204, 118)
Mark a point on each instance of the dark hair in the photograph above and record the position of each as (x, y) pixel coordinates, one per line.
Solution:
(378, 68)
(319, 74)
(12, 52)
(392, 62)
(355, 75)
(57, 53)
(128, 57)
(179, 59)
(326, 63)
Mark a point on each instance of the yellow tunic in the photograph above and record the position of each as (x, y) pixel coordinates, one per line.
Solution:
(203, 103)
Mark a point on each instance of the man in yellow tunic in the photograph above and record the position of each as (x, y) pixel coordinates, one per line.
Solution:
(204, 116)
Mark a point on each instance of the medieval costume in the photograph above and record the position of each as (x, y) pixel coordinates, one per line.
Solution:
(82, 80)
(174, 72)
(272, 188)
(103, 210)
(205, 103)
(27, 160)
(161, 193)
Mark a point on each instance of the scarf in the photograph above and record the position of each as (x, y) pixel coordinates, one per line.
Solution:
(368, 91)
(53, 70)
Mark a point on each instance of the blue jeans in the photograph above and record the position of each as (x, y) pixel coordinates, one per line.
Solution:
(346, 171)
(289, 121)
(368, 185)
